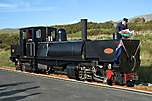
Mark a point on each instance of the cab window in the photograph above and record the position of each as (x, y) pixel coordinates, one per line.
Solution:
(38, 33)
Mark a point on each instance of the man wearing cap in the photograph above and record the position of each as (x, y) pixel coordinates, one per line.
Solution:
(123, 25)
(109, 75)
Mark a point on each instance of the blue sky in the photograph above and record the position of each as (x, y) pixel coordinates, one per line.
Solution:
(21, 13)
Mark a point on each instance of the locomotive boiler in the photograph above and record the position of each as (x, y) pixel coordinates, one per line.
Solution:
(47, 49)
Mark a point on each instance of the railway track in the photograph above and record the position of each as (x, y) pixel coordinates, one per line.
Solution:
(136, 89)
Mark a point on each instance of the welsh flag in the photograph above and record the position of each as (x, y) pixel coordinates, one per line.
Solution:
(126, 33)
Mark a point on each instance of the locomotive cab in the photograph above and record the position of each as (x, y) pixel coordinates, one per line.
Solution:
(29, 39)
(38, 34)
(31, 36)
(42, 34)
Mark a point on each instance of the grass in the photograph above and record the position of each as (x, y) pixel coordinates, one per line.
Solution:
(146, 48)
(145, 73)
(4, 58)
(78, 35)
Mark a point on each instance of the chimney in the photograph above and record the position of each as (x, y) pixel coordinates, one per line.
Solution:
(84, 29)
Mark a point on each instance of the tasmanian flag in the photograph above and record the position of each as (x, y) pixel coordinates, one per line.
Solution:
(118, 52)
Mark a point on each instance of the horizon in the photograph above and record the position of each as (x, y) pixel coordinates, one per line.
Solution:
(11, 28)
(23, 13)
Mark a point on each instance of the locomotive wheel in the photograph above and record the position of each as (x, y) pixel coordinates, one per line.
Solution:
(18, 65)
(33, 70)
(82, 75)
(26, 67)
(72, 71)
(49, 70)
(23, 68)
(130, 83)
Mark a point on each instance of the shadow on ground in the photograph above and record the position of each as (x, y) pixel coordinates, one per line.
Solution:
(18, 98)
(1, 89)
(12, 92)
(5, 94)
(15, 84)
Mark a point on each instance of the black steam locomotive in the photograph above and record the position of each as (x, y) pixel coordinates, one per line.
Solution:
(47, 49)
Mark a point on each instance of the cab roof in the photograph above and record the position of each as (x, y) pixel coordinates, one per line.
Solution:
(36, 27)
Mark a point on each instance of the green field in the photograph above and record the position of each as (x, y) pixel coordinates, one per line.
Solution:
(4, 58)
(145, 73)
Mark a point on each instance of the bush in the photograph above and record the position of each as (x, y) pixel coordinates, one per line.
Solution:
(7, 40)
(4, 58)
(145, 73)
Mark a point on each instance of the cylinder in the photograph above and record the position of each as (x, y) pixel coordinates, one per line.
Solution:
(84, 29)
